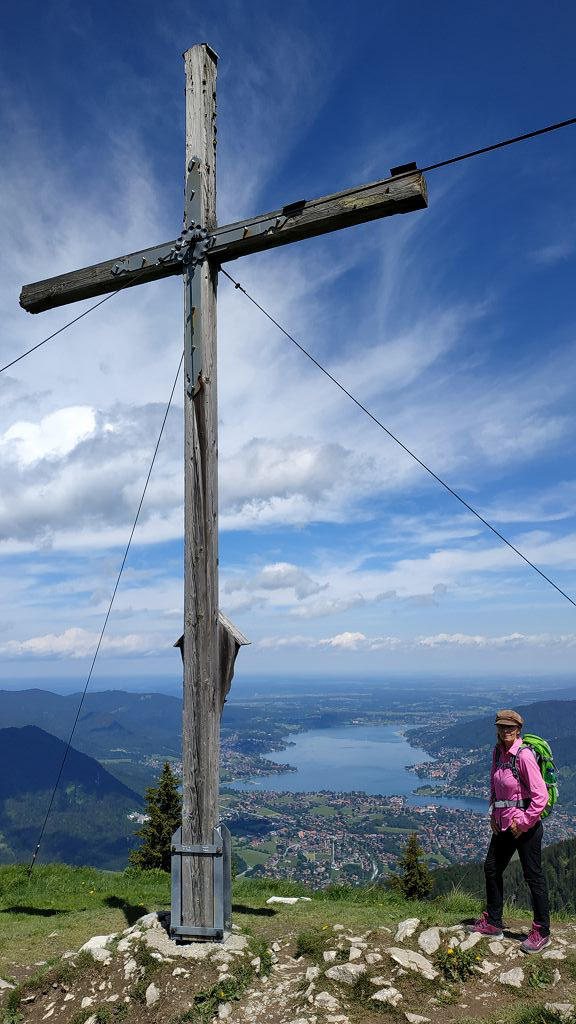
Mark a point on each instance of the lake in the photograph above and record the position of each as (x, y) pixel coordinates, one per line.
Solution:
(371, 758)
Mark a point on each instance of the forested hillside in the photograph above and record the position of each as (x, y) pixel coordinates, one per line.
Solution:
(89, 821)
(559, 866)
(555, 720)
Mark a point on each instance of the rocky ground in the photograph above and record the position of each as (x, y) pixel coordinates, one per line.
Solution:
(323, 976)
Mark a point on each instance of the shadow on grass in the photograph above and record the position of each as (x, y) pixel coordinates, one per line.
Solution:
(131, 911)
(33, 911)
(241, 908)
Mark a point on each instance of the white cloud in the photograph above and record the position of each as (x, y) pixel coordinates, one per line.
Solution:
(509, 640)
(333, 606)
(356, 641)
(54, 435)
(78, 643)
(555, 252)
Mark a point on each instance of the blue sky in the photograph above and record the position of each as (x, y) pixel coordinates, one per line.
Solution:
(455, 325)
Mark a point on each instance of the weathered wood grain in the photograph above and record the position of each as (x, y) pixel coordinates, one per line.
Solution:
(385, 198)
(201, 711)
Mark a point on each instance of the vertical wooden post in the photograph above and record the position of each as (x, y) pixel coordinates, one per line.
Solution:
(201, 714)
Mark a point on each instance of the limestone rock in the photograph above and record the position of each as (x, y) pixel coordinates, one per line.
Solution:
(87, 1001)
(312, 973)
(471, 941)
(416, 1018)
(289, 900)
(101, 954)
(129, 968)
(486, 967)
(515, 977)
(97, 942)
(564, 1010)
(224, 1011)
(152, 994)
(345, 973)
(497, 947)
(337, 927)
(429, 940)
(406, 929)
(355, 953)
(157, 919)
(326, 1001)
(5, 985)
(553, 954)
(329, 955)
(413, 962)
(373, 958)
(388, 995)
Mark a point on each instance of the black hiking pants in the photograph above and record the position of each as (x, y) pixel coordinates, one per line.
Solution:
(529, 846)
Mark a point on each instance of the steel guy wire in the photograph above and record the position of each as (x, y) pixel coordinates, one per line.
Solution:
(398, 441)
(129, 280)
(430, 167)
(101, 637)
(499, 145)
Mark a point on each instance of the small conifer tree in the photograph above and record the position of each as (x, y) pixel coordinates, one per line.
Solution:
(415, 882)
(164, 810)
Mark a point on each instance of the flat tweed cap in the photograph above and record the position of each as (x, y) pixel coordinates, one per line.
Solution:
(508, 717)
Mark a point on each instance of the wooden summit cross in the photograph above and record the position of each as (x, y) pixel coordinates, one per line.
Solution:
(201, 871)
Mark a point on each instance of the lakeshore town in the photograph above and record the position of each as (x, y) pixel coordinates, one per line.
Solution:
(328, 837)
(323, 838)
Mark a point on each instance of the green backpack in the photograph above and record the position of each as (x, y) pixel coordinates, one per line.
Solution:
(543, 754)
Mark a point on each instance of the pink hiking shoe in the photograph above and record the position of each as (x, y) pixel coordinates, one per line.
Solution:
(535, 940)
(483, 927)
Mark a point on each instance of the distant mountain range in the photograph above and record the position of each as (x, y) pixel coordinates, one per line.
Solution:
(89, 821)
(555, 720)
(110, 721)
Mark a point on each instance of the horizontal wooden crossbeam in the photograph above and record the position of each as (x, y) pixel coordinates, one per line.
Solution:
(401, 194)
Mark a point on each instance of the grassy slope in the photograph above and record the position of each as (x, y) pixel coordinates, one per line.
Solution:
(60, 907)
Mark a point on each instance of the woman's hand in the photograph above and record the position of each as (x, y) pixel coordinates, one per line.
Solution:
(515, 829)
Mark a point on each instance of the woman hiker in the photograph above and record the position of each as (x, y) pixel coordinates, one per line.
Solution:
(517, 800)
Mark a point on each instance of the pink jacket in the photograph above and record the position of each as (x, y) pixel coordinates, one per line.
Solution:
(503, 786)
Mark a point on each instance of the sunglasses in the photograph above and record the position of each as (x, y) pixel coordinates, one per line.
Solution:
(507, 728)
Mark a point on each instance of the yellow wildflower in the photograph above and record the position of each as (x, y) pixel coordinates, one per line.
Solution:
(450, 951)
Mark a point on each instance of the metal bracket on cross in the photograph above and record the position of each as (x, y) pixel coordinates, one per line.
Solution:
(189, 249)
(220, 852)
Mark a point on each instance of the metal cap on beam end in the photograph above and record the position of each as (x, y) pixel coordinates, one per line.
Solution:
(403, 169)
